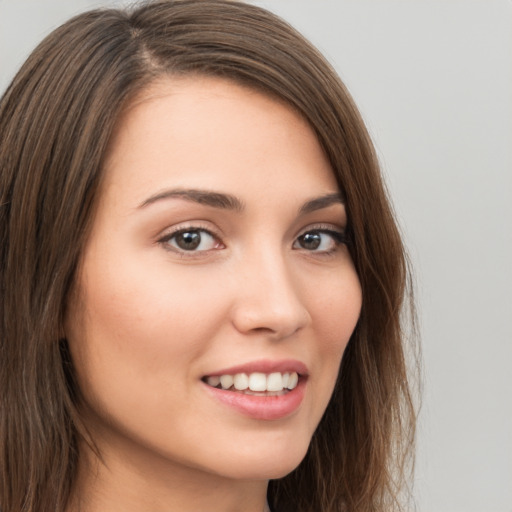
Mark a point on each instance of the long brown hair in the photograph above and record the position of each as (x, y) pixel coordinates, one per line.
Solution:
(56, 121)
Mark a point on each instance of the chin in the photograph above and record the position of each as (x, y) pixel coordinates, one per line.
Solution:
(271, 463)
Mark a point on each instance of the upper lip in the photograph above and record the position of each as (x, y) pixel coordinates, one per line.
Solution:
(264, 366)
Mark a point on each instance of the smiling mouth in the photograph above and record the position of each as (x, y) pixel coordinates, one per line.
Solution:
(256, 383)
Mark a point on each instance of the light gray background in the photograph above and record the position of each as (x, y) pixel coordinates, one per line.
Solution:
(434, 82)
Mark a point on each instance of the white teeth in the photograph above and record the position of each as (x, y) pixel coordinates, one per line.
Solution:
(226, 381)
(241, 381)
(257, 381)
(293, 380)
(275, 382)
(213, 381)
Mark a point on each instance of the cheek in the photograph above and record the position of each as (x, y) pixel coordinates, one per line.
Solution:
(140, 329)
(153, 302)
(337, 309)
(335, 314)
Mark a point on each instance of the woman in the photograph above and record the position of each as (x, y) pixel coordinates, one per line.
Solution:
(201, 276)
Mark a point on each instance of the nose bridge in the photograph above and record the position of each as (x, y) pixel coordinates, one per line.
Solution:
(269, 297)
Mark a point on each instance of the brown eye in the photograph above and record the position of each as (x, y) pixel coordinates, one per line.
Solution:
(310, 241)
(319, 240)
(192, 240)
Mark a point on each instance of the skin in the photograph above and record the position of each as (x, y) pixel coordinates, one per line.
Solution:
(150, 319)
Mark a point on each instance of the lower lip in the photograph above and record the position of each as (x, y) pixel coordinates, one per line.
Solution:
(262, 407)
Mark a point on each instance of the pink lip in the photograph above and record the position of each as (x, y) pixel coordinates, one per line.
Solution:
(264, 366)
(262, 407)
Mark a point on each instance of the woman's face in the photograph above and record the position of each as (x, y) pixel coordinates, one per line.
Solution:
(216, 256)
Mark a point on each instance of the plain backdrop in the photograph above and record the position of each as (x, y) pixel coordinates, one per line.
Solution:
(433, 79)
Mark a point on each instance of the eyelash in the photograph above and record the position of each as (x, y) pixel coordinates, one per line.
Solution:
(166, 239)
(338, 237)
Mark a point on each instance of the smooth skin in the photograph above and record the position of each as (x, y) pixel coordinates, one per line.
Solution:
(203, 256)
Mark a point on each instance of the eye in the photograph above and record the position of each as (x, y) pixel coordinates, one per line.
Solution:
(191, 240)
(320, 240)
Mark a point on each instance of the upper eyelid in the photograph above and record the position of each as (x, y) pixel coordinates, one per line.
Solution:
(187, 226)
(322, 226)
(325, 230)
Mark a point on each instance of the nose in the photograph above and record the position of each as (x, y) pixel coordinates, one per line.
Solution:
(268, 299)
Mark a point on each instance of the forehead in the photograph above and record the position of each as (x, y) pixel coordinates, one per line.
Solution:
(210, 132)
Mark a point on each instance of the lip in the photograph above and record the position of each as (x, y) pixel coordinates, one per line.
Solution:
(264, 366)
(262, 407)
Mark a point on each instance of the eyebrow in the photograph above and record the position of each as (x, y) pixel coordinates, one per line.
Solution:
(230, 202)
(206, 197)
(321, 202)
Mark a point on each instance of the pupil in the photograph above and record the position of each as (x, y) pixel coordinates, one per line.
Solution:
(188, 240)
(311, 240)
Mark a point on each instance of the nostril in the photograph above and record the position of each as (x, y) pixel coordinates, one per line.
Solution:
(263, 318)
